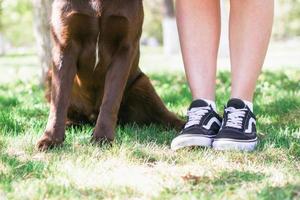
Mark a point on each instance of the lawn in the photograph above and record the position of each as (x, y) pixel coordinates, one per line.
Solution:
(140, 164)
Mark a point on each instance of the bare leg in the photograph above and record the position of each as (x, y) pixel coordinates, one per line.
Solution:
(199, 30)
(250, 30)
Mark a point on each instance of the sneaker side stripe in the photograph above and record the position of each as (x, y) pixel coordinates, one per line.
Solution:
(250, 123)
(210, 123)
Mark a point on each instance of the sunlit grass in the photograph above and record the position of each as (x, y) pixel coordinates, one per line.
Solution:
(140, 164)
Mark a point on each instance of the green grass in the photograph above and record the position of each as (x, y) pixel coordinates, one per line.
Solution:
(140, 164)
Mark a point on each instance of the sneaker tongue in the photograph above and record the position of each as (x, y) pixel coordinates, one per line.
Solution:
(236, 103)
(198, 103)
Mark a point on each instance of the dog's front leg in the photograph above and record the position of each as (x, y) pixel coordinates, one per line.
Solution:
(63, 73)
(115, 83)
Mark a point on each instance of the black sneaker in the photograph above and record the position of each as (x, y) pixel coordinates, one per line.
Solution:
(238, 131)
(201, 129)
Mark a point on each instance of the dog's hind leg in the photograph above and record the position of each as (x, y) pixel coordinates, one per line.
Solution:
(143, 106)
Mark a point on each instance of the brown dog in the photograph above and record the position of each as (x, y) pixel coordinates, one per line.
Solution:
(95, 76)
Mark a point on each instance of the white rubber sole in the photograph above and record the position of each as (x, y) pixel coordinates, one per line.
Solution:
(234, 145)
(184, 141)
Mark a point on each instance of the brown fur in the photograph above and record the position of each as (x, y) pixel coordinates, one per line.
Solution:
(115, 90)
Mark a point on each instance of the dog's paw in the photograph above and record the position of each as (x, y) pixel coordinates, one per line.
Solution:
(103, 134)
(101, 140)
(47, 142)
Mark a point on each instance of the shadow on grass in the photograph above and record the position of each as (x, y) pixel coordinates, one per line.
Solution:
(3, 144)
(20, 104)
(223, 182)
(145, 134)
(7, 102)
(7, 120)
(283, 112)
(233, 178)
(285, 121)
(18, 170)
(288, 191)
(9, 125)
(236, 177)
(71, 191)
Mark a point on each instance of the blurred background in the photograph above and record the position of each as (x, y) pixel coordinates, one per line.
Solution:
(25, 44)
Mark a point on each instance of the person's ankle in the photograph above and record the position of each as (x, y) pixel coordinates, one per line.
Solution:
(212, 103)
(247, 103)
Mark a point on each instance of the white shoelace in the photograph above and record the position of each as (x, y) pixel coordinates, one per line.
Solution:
(195, 115)
(235, 117)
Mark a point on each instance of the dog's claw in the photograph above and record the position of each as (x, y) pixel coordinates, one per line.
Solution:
(46, 143)
(102, 141)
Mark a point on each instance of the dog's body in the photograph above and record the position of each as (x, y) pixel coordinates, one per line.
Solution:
(95, 75)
